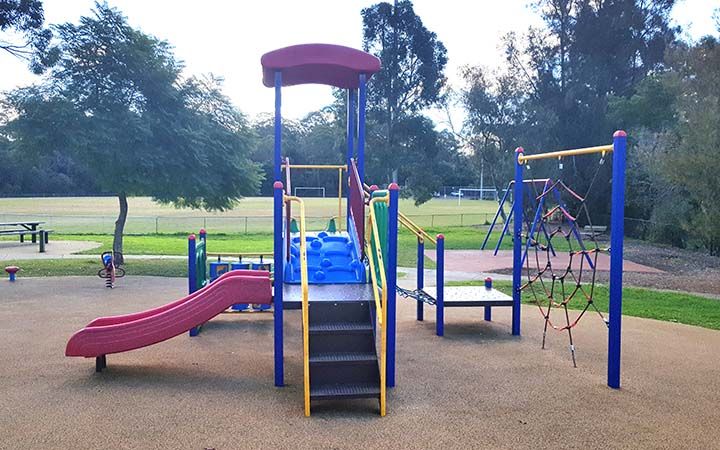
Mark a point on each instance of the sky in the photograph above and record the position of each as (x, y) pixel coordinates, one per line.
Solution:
(229, 38)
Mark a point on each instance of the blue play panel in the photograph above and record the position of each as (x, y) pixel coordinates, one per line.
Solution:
(332, 259)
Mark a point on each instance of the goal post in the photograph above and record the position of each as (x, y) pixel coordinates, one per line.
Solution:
(321, 190)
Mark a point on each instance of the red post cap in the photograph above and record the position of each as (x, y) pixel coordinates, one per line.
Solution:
(619, 133)
(440, 236)
(12, 269)
(488, 279)
(394, 187)
(519, 150)
(202, 231)
(277, 185)
(374, 188)
(191, 237)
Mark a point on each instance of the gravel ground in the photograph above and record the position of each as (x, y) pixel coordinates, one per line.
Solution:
(478, 387)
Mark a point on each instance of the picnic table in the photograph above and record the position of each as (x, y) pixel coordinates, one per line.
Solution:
(26, 227)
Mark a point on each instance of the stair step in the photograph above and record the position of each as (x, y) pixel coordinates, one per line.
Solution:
(326, 358)
(345, 327)
(355, 390)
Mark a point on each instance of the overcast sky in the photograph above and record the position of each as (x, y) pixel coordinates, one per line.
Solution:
(229, 37)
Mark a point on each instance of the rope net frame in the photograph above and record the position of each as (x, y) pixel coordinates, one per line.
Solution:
(558, 287)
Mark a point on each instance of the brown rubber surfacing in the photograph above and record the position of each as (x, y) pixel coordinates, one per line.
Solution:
(478, 387)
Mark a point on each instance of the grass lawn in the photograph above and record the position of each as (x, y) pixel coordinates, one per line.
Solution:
(638, 302)
(90, 267)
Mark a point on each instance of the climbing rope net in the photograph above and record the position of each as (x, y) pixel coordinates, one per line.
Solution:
(559, 284)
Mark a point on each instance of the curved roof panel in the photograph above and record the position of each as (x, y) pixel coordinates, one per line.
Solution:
(333, 65)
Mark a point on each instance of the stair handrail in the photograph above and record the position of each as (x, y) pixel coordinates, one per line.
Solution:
(373, 237)
(406, 222)
(305, 303)
(356, 198)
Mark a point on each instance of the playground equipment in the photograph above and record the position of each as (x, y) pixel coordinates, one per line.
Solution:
(551, 283)
(12, 272)
(110, 270)
(343, 278)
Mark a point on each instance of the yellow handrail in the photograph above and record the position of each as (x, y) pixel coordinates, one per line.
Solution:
(574, 152)
(305, 304)
(380, 301)
(407, 223)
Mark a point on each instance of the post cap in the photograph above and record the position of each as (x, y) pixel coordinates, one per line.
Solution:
(488, 279)
(12, 269)
(440, 236)
(619, 133)
(277, 185)
(191, 237)
(374, 188)
(519, 150)
(394, 187)
(202, 231)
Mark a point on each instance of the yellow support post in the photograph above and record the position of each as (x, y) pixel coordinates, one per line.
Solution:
(305, 303)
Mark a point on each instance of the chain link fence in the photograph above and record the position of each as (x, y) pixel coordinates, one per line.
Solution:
(91, 224)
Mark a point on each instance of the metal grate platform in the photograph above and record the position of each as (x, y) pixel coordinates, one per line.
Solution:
(292, 293)
(460, 296)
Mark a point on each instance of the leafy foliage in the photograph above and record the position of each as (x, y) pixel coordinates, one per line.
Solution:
(26, 17)
(116, 104)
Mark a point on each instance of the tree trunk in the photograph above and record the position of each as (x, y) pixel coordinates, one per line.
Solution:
(119, 228)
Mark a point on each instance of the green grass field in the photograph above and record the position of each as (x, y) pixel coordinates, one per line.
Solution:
(250, 215)
(677, 307)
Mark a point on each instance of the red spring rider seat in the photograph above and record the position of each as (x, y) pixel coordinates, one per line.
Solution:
(12, 270)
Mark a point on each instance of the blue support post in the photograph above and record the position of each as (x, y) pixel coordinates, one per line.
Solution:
(350, 147)
(362, 99)
(192, 261)
(420, 275)
(497, 215)
(537, 219)
(278, 262)
(440, 286)
(392, 281)
(517, 242)
(278, 125)
(505, 228)
(617, 233)
(192, 274)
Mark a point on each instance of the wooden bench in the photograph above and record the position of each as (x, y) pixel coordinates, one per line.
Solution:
(594, 230)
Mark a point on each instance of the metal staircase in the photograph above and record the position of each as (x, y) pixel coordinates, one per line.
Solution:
(343, 359)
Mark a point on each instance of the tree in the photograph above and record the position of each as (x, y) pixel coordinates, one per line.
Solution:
(553, 92)
(117, 104)
(26, 17)
(410, 81)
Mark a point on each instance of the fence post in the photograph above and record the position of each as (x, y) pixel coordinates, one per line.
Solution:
(432, 220)
(205, 222)
(156, 224)
(461, 219)
(246, 225)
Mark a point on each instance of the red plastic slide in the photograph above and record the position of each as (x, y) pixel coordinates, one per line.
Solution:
(122, 333)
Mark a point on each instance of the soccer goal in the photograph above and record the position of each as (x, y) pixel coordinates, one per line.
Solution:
(476, 194)
(319, 191)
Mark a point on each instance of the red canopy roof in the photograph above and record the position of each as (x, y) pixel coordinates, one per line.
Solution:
(333, 65)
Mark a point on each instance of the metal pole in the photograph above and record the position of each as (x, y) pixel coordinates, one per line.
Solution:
(350, 145)
(278, 124)
(392, 281)
(617, 231)
(278, 280)
(517, 241)
(440, 286)
(361, 128)
(420, 275)
(192, 273)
